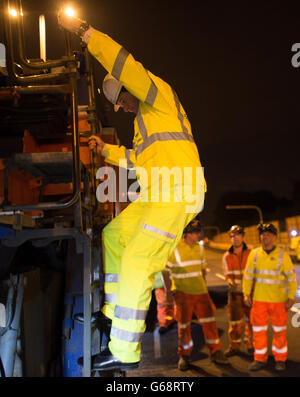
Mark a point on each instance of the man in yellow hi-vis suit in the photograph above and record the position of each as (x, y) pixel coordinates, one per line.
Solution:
(139, 241)
(269, 273)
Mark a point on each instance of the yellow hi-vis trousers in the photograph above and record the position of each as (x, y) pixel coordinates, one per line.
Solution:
(136, 245)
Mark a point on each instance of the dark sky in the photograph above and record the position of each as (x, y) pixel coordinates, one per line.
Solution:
(230, 63)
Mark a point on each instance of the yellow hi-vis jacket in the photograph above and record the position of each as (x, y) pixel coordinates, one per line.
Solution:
(186, 266)
(162, 132)
(272, 274)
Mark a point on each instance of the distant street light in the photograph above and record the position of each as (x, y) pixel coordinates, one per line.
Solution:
(246, 207)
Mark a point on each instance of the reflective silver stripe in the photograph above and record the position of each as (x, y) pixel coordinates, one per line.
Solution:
(177, 256)
(255, 259)
(187, 346)
(283, 350)
(110, 298)
(158, 231)
(125, 313)
(127, 155)
(119, 63)
(268, 272)
(161, 136)
(280, 259)
(235, 322)
(225, 264)
(212, 341)
(152, 93)
(246, 277)
(207, 319)
(269, 281)
(142, 127)
(187, 263)
(186, 275)
(235, 272)
(290, 272)
(278, 329)
(111, 278)
(236, 340)
(259, 328)
(180, 115)
(183, 326)
(292, 279)
(261, 351)
(127, 336)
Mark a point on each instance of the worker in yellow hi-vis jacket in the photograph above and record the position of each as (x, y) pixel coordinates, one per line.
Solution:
(270, 277)
(139, 241)
(187, 266)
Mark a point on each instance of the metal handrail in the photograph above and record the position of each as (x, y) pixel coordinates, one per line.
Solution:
(37, 78)
(71, 75)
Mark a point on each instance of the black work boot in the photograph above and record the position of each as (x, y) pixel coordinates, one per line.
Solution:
(105, 361)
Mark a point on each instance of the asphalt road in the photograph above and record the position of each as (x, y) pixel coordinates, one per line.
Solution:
(159, 356)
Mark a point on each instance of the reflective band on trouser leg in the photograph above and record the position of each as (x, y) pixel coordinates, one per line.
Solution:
(113, 246)
(279, 320)
(159, 228)
(183, 316)
(205, 310)
(259, 319)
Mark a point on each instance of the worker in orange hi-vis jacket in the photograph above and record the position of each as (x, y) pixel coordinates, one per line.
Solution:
(187, 266)
(234, 261)
(270, 274)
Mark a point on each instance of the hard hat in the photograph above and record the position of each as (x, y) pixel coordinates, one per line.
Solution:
(193, 227)
(111, 88)
(266, 227)
(236, 229)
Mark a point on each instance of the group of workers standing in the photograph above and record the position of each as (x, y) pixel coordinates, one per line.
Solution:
(143, 238)
(261, 286)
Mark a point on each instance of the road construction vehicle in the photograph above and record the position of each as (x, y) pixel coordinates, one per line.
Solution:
(50, 217)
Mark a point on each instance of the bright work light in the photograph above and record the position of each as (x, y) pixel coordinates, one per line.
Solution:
(70, 12)
(13, 12)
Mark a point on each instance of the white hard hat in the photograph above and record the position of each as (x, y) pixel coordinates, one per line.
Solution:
(111, 88)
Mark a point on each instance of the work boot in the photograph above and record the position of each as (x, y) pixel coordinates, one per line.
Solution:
(105, 361)
(280, 366)
(219, 358)
(183, 363)
(257, 365)
(95, 318)
(231, 352)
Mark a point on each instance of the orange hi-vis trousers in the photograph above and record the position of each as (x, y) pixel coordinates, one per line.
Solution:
(165, 308)
(261, 312)
(204, 309)
(239, 313)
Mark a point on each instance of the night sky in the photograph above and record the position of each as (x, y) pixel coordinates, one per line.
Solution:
(230, 63)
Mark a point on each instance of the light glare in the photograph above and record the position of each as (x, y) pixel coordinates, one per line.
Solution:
(13, 12)
(70, 12)
(294, 233)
